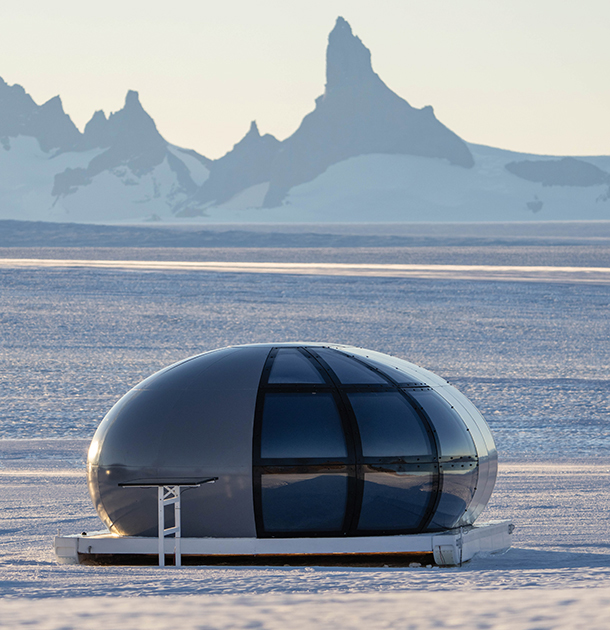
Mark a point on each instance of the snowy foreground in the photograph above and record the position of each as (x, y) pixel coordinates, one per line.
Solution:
(557, 575)
(532, 353)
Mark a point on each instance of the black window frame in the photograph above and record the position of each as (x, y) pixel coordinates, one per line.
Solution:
(355, 464)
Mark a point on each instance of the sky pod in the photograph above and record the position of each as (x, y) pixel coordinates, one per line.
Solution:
(306, 440)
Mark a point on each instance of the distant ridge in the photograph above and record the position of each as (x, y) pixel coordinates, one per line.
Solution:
(48, 123)
(39, 234)
(44, 234)
(364, 154)
(358, 115)
(130, 139)
(247, 164)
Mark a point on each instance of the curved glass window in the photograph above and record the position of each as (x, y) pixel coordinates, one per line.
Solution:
(459, 484)
(339, 449)
(389, 426)
(454, 438)
(348, 370)
(304, 502)
(398, 373)
(394, 499)
(291, 366)
(301, 425)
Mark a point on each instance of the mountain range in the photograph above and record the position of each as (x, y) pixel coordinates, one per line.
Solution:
(363, 154)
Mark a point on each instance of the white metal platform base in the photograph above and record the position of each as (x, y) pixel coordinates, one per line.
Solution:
(450, 548)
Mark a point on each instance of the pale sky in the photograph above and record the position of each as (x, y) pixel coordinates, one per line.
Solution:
(526, 75)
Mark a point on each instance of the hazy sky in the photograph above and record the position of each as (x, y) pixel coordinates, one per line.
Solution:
(528, 75)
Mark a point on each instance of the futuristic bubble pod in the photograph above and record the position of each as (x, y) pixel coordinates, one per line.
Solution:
(306, 440)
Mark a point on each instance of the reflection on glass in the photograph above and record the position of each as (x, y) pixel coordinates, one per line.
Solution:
(290, 366)
(458, 489)
(304, 502)
(395, 370)
(389, 425)
(301, 425)
(394, 501)
(455, 441)
(348, 370)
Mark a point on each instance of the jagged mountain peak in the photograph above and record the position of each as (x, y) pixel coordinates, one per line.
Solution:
(97, 118)
(132, 110)
(131, 127)
(253, 131)
(348, 60)
(48, 123)
(358, 114)
(132, 101)
(246, 165)
(130, 122)
(253, 136)
(130, 138)
(15, 102)
(54, 105)
(5, 87)
(96, 134)
(250, 143)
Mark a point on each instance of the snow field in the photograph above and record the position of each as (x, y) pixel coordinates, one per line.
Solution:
(563, 609)
(557, 573)
(529, 354)
(533, 356)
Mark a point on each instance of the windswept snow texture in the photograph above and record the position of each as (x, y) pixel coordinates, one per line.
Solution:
(529, 353)
(532, 355)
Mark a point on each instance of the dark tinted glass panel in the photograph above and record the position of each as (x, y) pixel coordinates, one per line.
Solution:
(394, 501)
(301, 425)
(458, 489)
(402, 376)
(397, 372)
(455, 440)
(291, 366)
(348, 370)
(389, 425)
(304, 502)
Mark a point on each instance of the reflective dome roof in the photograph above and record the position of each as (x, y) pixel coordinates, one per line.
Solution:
(306, 439)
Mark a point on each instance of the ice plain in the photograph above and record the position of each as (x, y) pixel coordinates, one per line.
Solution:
(533, 355)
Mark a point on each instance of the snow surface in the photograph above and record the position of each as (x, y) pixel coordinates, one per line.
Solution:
(252, 197)
(380, 187)
(119, 194)
(514, 273)
(534, 356)
(372, 187)
(198, 172)
(560, 609)
(27, 175)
